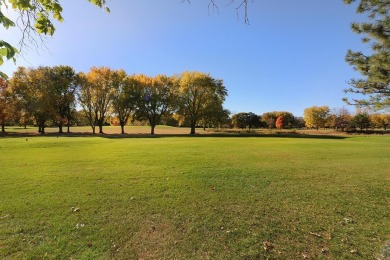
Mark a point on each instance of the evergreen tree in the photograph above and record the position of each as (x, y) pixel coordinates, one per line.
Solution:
(375, 67)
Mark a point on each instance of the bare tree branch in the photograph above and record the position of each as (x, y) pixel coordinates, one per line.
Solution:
(30, 36)
(243, 4)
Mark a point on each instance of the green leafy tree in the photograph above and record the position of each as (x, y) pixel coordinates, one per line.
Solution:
(239, 120)
(197, 92)
(316, 117)
(244, 120)
(215, 115)
(253, 120)
(361, 120)
(298, 122)
(35, 18)
(375, 66)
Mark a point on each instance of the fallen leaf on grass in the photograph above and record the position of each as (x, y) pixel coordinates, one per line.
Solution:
(347, 221)
(315, 234)
(74, 209)
(268, 245)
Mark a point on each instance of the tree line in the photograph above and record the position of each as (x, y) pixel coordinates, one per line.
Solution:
(315, 117)
(341, 119)
(56, 94)
(59, 96)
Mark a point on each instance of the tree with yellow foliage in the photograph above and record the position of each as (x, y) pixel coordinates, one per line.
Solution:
(198, 92)
(157, 96)
(316, 117)
(380, 120)
(125, 97)
(96, 94)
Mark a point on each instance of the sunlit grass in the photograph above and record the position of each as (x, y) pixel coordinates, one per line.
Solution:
(208, 197)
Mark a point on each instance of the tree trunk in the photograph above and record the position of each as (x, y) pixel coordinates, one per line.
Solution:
(192, 129)
(100, 128)
(152, 129)
(68, 125)
(39, 128)
(93, 129)
(60, 128)
(122, 127)
(42, 128)
(2, 125)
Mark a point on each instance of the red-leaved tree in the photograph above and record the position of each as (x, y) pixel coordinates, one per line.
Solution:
(280, 122)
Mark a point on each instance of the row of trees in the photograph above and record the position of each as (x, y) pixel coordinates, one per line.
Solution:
(342, 119)
(314, 117)
(55, 93)
(275, 119)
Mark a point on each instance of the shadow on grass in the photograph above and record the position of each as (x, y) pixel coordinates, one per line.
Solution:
(142, 135)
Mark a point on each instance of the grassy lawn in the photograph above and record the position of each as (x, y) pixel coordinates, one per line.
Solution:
(194, 198)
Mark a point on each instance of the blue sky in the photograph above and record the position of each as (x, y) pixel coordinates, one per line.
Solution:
(290, 56)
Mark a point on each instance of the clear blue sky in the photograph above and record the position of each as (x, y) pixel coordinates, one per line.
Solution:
(290, 57)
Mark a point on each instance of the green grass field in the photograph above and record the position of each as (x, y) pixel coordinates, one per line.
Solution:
(194, 197)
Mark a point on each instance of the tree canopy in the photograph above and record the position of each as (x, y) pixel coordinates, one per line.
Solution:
(157, 97)
(33, 91)
(316, 117)
(35, 18)
(244, 120)
(51, 96)
(375, 66)
(96, 93)
(198, 92)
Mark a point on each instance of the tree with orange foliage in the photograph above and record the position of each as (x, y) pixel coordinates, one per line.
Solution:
(280, 122)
